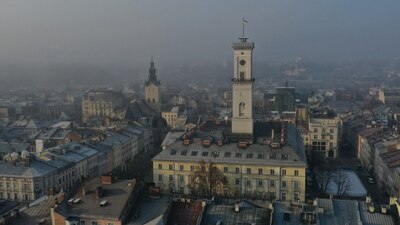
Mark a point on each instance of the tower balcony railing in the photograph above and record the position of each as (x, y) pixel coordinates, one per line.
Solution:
(243, 80)
(244, 45)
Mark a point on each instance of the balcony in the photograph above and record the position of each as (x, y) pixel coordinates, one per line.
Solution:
(243, 45)
(243, 81)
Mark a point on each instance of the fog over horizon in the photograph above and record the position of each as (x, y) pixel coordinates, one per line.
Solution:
(101, 32)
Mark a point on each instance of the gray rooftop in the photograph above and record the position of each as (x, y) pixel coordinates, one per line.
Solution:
(36, 169)
(114, 138)
(332, 212)
(57, 163)
(68, 156)
(116, 194)
(248, 214)
(171, 137)
(150, 209)
(292, 153)
(34, 213)
(374, 218)
(13, 147)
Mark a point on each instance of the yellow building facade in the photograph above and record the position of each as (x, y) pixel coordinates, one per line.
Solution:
(258, 170)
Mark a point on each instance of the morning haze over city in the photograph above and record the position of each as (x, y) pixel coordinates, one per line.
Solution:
(199, 112)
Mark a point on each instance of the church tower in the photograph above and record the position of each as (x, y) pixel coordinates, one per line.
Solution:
(242, 87)
(152, 92)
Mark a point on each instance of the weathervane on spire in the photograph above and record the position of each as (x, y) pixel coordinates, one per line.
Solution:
(243, 38)
(244, 22)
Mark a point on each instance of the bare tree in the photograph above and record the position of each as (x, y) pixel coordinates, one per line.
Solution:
(324, 177)
(207, 180)
(343, 182)
(325, 174)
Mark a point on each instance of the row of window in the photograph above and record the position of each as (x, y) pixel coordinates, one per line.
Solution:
(83, 222)
(14, 185)
(296, 195)
(323, 130)
(249, 155)
(8, 196)
(323, 137)
(226, 170)
(260, 182)
(170, 116)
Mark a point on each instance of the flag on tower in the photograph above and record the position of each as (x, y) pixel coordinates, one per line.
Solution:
(244, 20)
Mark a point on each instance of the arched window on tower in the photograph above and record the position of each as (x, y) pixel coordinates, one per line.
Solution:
(241, 76)
(241, 109)
(154, 100)
(148, 100)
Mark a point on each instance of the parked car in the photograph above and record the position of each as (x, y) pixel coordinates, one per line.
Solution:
(371, 180)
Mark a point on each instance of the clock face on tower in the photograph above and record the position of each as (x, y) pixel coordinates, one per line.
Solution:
(242, 62)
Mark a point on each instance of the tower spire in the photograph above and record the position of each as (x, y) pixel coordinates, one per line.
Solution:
(243, 38)
(152, 92)
(152, 72)
(151, 62)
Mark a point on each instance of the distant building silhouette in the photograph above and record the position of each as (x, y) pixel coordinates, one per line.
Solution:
(152, 90)
(285, 99)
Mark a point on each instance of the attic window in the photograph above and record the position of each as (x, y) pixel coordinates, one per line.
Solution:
(194, 153)
(249, 155)
(272, 156)
(227, 154)
(284, 156)
(173, 152)
(204, 154)
(238, 155)
(215, 154)
(260, 156)
(184, 152)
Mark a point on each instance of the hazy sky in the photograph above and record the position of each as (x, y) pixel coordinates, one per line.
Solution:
(130, 31)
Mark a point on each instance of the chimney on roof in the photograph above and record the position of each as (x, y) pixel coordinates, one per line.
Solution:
(272, 135)
(242, 144)
(283, 134)
(237, 207)
(371, 208)
(107, 179)
(27, 162)
(383, 209)
(206, 143)
(84, 191)
(186, 142)
(368, 199)
(99, 192)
